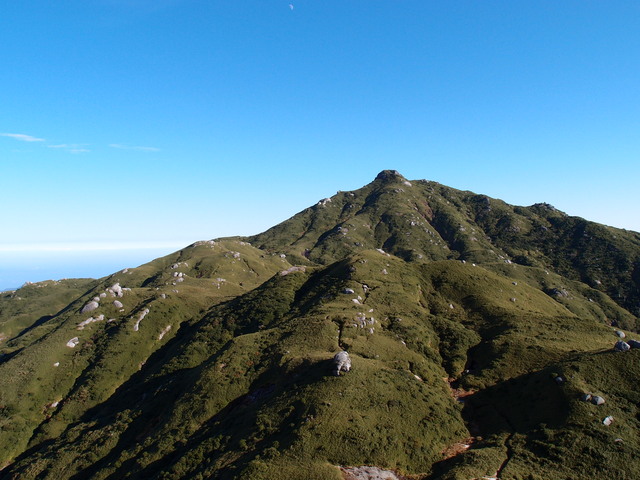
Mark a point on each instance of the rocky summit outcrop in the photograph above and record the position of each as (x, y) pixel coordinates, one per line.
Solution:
(472, 338)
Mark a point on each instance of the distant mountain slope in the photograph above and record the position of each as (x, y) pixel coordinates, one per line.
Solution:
(475, 329)
(425, 221)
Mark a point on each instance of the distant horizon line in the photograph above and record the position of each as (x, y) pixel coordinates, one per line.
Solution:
(91, 246)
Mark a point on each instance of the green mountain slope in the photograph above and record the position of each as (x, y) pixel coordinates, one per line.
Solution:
(474, 330)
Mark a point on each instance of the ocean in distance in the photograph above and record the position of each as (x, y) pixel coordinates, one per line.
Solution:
(19, 267)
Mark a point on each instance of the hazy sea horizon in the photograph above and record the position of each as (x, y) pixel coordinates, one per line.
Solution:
(17, 268)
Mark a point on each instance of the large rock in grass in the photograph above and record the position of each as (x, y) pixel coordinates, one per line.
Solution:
(90, 307)
(621, 346)
(368, 473)
(342, 362)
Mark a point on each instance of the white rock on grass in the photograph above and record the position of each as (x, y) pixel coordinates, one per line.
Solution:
(115, 290)
(90, 307)
(290, 270)
(164, 332)
(73, 342)
(89, 320)
(143, 314)
(341, 362)
(117, 304)
(369, 473)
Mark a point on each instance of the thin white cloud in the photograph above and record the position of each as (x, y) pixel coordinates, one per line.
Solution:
(22, 137)
(132, 147)
(72, 147)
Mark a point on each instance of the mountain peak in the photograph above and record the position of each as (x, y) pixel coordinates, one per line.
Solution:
(389, 175)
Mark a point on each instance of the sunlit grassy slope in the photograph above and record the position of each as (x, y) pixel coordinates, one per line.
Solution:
(474, 328)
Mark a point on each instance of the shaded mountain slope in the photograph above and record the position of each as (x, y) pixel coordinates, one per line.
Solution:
(473, 333)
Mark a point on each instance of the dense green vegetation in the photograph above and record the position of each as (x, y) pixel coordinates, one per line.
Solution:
(474, 329)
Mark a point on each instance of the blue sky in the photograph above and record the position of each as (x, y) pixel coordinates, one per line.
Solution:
(142, 126)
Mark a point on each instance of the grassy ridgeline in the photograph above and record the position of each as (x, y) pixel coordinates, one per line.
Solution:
(473, 334)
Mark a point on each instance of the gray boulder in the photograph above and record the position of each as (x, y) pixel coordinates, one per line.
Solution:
(634, 343)
(597, 400)
(368, 473)
(341, 362)
(621, 346)
(91, 306)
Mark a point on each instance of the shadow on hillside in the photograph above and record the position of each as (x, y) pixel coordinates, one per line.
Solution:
(42, 320)
(235, 428)
(240, 424)
(519, 405)
(145, 403)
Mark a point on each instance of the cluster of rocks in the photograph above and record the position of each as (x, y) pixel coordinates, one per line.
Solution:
(595, 399)
(363, 322)
(114, 291)
(89, 320)
(559, 292)
(291, 270)
(622, 346)
(210, 243)
(179, 277)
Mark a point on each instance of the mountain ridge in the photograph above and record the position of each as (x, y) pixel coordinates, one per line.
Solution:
(215, 361)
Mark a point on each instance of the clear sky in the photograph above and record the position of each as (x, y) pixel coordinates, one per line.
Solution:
(140, 126)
